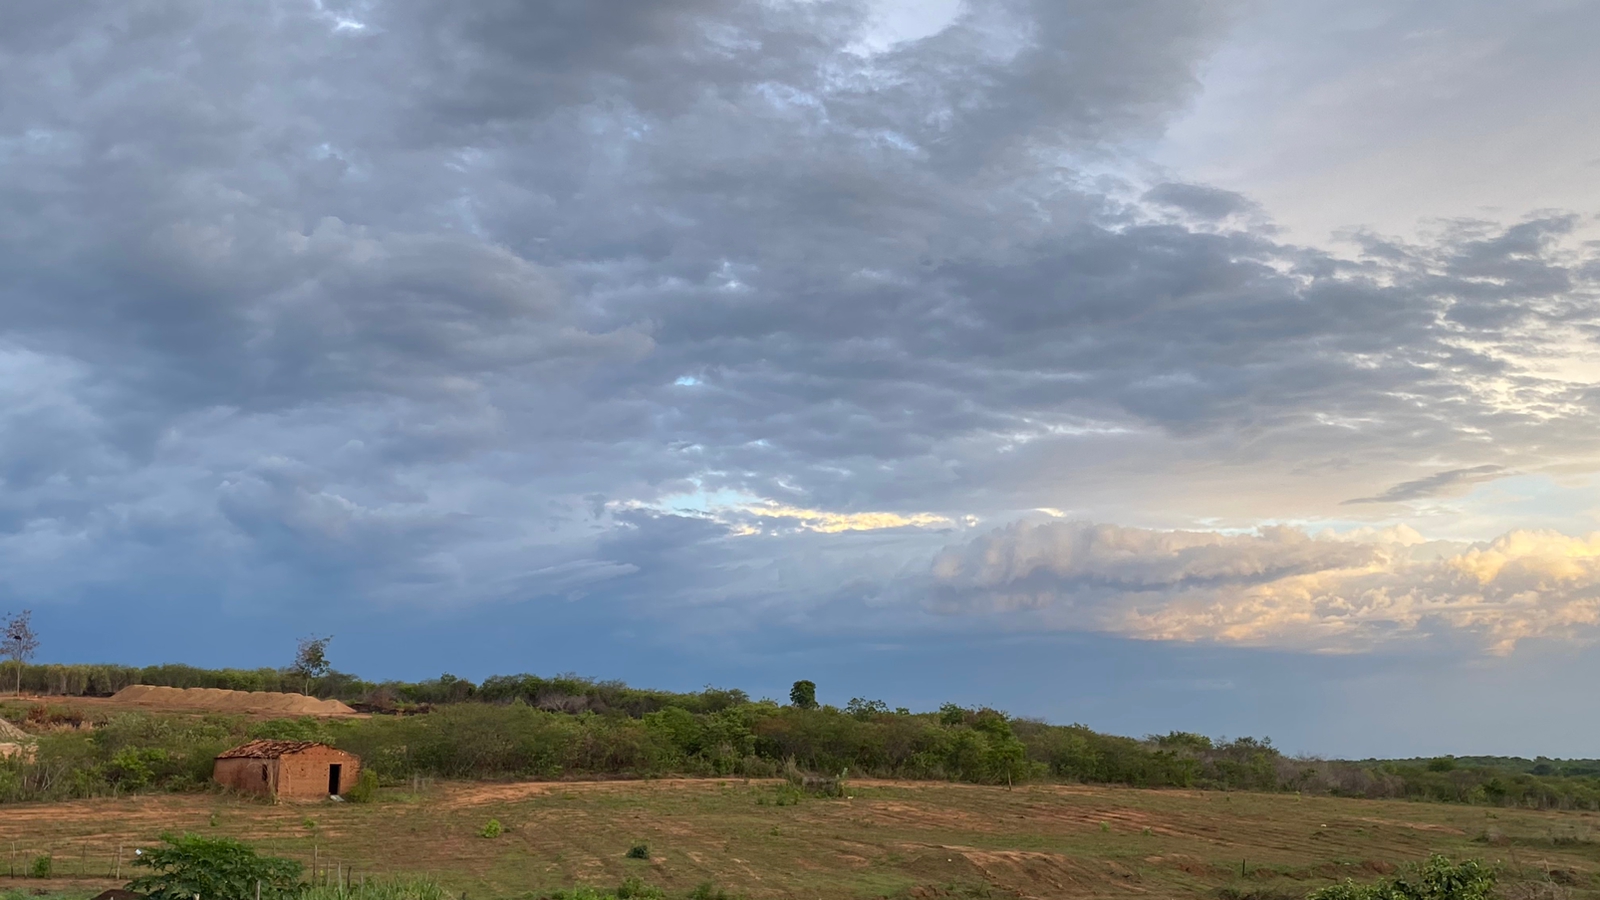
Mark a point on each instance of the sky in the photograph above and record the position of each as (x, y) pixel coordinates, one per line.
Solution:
(1211, 365)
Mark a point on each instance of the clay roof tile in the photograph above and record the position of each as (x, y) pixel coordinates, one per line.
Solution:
(268, 749)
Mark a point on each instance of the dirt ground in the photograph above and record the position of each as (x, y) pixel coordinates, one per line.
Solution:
(90, 706)
(887, 839)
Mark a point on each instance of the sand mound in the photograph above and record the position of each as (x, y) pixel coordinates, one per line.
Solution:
(12, 734)
(230, 701)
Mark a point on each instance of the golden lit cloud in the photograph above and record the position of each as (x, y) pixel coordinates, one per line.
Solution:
(1282, 587)
(826, 522)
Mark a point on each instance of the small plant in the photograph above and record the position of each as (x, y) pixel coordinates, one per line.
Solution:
(1105, 828)
(634, 888)
(640, 850)
(41, 867)
(705, 890)
(1146, 831)
(365, 788)
(492, 830)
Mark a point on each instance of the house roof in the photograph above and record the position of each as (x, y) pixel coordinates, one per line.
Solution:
(268, 749)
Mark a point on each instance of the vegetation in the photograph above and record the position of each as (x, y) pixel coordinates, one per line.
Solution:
(532, 727)
(18, 641)
(1437, 879)
(311, 659)
(379, 889)
(214, 868)
(803, 694)
(888, 839)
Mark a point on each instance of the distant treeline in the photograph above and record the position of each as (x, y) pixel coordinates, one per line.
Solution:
(526, 726)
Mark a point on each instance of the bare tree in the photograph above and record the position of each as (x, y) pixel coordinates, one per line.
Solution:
(18, 641)
(311, 659)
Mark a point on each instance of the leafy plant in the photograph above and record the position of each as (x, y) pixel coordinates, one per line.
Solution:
(41, 867)
(1436, 879)
(706, 890)
(492, 830)
(365, 788)
(634, 888)
(639, 850)
(213, 868)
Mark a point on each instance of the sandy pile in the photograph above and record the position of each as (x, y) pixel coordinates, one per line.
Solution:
(12, 734)
(230, 701)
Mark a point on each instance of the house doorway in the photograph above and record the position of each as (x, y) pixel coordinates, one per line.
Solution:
(334, 771)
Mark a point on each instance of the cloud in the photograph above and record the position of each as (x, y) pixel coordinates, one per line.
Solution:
(1200, 200)
(433, 309)
(1435, 484)
(1279, 587)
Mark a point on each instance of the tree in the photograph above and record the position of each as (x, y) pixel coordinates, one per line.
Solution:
(311, 659)
(18, 641)
(213, 868)
(804, 694)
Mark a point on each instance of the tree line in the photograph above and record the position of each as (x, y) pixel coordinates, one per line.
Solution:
(529, 726)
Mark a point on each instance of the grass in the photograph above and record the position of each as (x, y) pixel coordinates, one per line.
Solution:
(885, 839)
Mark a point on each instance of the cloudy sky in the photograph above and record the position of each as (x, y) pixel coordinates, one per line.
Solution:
(1154, 364)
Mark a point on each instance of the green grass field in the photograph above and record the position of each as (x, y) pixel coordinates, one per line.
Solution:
(888, 839)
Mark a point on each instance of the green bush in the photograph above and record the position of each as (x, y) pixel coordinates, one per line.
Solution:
(365, 788)
(41, 867)
(213, 868)
(640, 850)
(706, 890)
(634, 888)
(1436, 879)
(492, 830)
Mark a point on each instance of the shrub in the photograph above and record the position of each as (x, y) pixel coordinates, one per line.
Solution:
(634, 888)
(213, 868)
(640, 850)
(705, 890)
(1436, 879)
(41, 867)
(492, 830)
(365, 788)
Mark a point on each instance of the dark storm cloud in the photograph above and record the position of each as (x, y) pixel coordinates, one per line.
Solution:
(412, 300)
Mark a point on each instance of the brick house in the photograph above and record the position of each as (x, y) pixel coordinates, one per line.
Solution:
(293, 770)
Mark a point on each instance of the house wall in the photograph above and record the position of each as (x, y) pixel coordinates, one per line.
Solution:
(304, 775)
(296, 776)
(252, 776)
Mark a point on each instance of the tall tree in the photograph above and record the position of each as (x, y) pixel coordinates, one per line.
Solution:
(311, 659)
(804, 694)
(18, 641)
